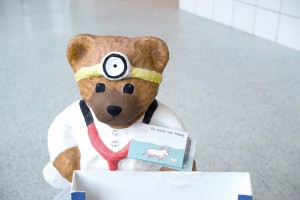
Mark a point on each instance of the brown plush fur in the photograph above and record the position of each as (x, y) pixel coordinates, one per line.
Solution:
(68, 161)
(87, 50)
(145, 52)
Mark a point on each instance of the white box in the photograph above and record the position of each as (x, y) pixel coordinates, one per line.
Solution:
(129, 185)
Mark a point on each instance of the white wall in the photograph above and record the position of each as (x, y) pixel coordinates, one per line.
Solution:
(274, 20)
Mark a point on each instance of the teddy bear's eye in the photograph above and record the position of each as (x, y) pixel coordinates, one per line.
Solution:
(115, 66)
(128, 88)
(100, 87)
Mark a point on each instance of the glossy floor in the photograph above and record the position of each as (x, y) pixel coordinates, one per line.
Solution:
(237, 94)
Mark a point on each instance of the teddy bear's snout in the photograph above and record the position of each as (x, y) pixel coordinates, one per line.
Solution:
(114, 110)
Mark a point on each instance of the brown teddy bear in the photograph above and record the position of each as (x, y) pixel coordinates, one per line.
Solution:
(118, 78)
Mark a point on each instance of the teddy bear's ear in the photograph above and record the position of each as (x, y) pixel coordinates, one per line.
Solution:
(78, 47)
(158, 50)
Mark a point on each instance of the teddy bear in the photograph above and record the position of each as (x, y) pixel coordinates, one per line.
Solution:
(118, 78)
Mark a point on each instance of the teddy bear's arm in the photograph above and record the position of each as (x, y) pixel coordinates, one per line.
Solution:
(62, 144)
(68, 161)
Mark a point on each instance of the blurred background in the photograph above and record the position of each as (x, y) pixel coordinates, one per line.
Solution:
(275, 20)
(233, 79)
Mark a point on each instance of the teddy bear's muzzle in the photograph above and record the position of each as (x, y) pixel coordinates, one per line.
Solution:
(114, 110)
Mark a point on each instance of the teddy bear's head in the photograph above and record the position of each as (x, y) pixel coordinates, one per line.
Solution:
(118, 77)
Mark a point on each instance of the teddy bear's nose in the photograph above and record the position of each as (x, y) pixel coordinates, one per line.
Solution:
(114, 110)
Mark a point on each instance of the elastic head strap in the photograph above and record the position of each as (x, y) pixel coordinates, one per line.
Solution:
(87, 72)
(144, 74)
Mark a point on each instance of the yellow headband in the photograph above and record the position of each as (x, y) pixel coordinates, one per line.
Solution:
(93, 71)
(116, 66)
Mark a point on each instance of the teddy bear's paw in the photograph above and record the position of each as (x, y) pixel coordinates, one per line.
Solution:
(68, 161)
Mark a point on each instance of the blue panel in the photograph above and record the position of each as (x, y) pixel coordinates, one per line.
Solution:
(244, 197)
(78, 195)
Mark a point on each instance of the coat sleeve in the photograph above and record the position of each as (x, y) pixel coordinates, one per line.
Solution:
(61, 136)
